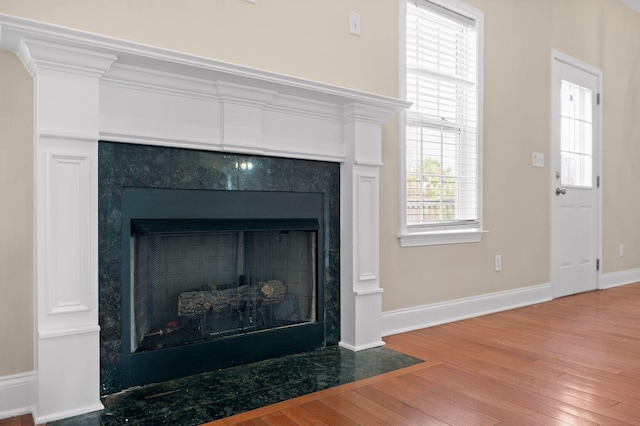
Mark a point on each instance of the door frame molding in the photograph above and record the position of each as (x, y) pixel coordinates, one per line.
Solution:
(557, 56)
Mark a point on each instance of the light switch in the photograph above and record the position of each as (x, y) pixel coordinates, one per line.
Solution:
(354, 23)
(538, 159)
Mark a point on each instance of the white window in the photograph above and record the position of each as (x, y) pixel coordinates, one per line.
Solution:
(442, 139)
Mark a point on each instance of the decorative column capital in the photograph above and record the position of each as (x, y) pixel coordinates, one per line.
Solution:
(37, 55)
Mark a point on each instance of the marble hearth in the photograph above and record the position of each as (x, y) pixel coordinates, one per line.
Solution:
(90, 88)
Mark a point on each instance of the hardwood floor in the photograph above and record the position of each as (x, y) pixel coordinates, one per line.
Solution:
(571, 361)
(24, 420)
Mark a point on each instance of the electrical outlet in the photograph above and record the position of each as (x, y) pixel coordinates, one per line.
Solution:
(498, 262)
(621, 250)
(354, 23)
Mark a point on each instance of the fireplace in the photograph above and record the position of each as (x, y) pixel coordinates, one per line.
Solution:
(212, 279)
(199, 284)
(210, 259)
(89, 88)
(191, 282)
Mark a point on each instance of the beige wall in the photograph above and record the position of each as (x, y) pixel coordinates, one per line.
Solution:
(518, 38)
(16, 217)
(310, 39)
(303, 38)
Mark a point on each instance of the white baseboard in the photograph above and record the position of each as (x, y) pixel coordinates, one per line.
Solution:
(16, 394)
(66, 414)
(616, 279)
(361, 347)
(403, 320)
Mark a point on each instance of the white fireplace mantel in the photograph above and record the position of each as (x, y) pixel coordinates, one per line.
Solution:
(90, 87)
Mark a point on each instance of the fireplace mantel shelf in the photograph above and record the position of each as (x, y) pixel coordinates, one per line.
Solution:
(90, 87)
(126, 65)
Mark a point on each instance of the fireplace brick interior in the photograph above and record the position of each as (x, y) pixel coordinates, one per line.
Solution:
(128, 165)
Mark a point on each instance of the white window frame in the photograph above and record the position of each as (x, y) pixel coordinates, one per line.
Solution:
(421, 236)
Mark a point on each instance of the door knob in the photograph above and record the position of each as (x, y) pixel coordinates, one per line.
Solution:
(561, 191)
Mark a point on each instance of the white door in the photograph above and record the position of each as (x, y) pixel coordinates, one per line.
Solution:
(575, 176)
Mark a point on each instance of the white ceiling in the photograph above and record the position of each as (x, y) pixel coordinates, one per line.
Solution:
(633, 4)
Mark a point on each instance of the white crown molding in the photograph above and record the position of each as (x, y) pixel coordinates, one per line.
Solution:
(364, 112)
(243, 95)
(131, 77)
(37, 54)
(14, 31)
(136, 78)
(293, 105)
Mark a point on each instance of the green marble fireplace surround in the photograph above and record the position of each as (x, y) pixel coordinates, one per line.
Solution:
(204, 174)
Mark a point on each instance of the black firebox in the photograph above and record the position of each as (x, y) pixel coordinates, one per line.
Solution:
(212, 279)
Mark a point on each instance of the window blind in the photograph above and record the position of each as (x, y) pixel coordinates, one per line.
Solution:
(441, 146)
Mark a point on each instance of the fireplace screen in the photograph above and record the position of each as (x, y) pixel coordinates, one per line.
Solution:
(212, 279)
(192, 285)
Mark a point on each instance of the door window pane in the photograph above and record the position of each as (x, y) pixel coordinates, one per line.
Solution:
(576, 127)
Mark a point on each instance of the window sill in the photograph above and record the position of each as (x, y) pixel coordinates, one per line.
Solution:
(441, 237)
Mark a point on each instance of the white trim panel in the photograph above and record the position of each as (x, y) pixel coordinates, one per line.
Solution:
(367, 222)
(443, 237)
(67, 264)
(68, 375)
(68, 233)
(403, 320)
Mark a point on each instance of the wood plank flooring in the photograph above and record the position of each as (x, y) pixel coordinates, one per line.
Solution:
(571, 361)
(24, 420)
